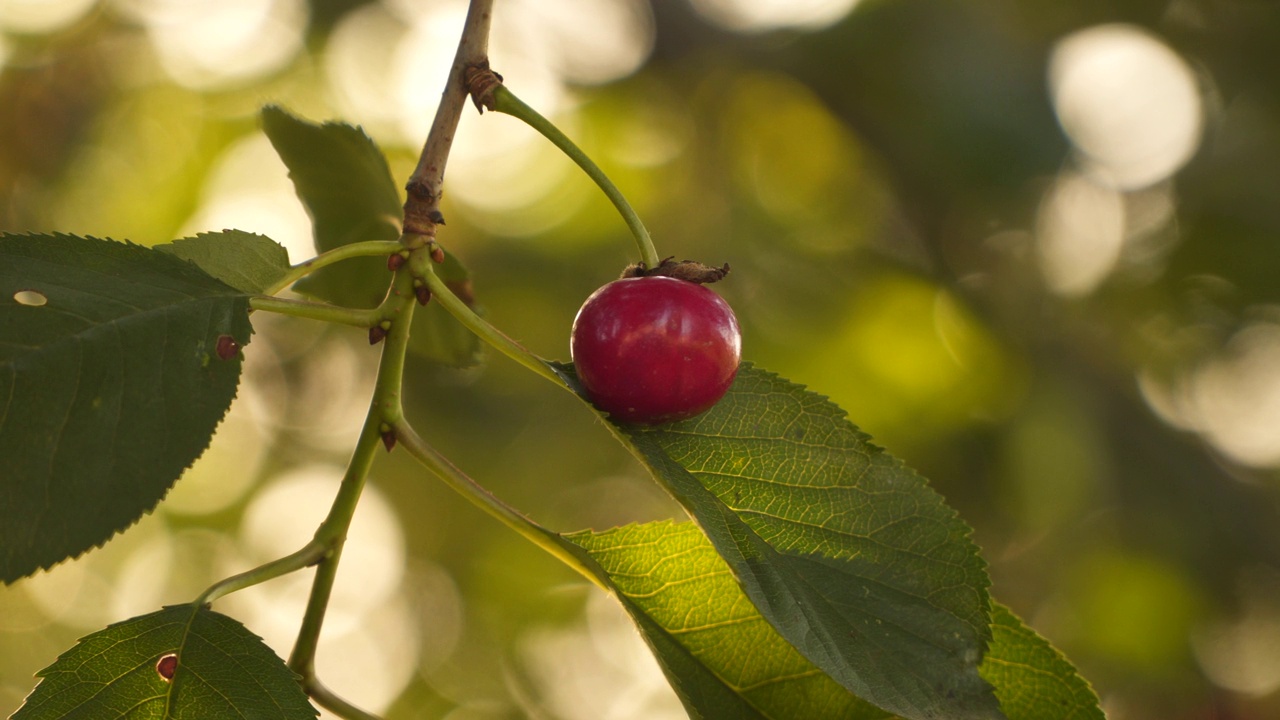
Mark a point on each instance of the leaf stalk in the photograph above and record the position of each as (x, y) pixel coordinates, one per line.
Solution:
(468, 488)
(318, 311)
(504, 101)
(443, 294)
(310, 554)
(371, 248)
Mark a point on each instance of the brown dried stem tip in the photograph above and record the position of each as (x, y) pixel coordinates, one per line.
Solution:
(481, 82)
(688, 270)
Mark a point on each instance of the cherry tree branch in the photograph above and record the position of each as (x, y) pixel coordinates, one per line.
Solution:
(422, 208)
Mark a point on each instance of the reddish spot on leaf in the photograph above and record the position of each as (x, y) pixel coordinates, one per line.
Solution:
(166, 666)
(227, 347)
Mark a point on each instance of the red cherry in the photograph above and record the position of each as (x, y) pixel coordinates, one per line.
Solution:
(652, 350)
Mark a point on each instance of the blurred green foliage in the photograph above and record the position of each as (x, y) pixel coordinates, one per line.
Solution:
(878, 187)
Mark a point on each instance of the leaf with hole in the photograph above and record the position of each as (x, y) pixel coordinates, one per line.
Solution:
(109, 388)
(725, 661)
(181, 662)
(247, 262)
(345, 184)
(844, 550)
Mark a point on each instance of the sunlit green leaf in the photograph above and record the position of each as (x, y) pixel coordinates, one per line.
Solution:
(346, 186)
(110, 386)
(844, 550)
(218, 670)
(721, 656)
(1032, 679)
(245, 261)
(726, 661)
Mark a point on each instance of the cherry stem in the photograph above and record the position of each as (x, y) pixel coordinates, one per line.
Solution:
(370, 248)
(504, 101)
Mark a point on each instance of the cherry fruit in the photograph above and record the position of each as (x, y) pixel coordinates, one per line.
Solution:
(655, 349)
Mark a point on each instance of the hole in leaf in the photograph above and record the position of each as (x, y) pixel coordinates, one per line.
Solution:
(30, 297)
(166, 666)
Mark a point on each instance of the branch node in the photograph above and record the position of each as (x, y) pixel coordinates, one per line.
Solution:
(480, 82)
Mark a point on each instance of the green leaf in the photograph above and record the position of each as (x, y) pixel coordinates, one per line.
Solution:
(725, 661)
(108, 390)
(346, 186)
(245, 261)
(222, 671)
(844, 550)
(1032, 679)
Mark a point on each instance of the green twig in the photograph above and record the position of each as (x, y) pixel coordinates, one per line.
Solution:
(371, 248)
(504, 101)
(384, 412)
(318, 311)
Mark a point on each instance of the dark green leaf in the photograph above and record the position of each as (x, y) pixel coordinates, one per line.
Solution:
(245, 261)
(844, 550)
(222, 671)
(726, 661)
(1032, 679)
(346, 186)
(108, 390)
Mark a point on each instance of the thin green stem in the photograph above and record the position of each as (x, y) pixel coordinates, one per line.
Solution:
(441, 293)
(310, 554)
(325, 698)
(384, 412)
(317, 311)
(371, 248)
(504, 101)
(491, 504)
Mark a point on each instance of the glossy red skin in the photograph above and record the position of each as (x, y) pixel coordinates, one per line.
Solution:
(652, 350)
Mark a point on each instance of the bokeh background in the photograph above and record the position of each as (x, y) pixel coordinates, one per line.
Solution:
(1033, 248)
